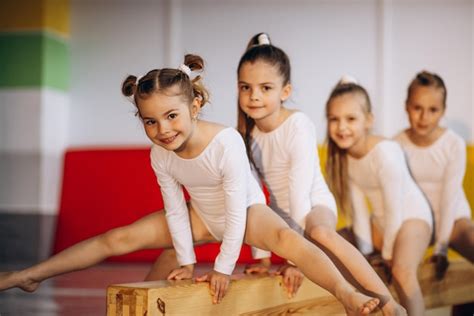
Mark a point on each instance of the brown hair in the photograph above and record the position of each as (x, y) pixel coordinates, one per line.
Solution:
(161, 80)
(336, 164)
(260, 50)
(427, 79)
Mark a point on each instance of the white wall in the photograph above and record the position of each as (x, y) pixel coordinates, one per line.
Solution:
(382, 43)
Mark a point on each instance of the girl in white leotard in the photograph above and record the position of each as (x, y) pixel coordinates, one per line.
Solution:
(437, 160)
(362, 165)
(282, 146)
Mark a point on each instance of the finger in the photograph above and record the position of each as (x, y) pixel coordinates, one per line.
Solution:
(172, 275)
(298, 283)
(215, 292)
(291, 288)
(220, 291)
(202, 278)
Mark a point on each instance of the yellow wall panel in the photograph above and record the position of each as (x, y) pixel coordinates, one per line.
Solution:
(35, 15)
(21, 15)
(57, 16)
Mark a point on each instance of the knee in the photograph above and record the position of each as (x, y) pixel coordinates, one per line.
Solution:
(322, 234)
(404, 273)
(115, 240)
(287, 237)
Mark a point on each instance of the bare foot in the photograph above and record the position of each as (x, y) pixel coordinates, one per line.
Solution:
(392, 308)
(357, 304)
(13, 279)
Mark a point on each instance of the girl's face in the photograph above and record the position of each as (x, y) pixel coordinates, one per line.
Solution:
(425, 109)
(261, 90)
(167, 119)
(348, 123)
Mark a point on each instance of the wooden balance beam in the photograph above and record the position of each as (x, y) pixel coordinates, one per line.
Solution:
(266, 295)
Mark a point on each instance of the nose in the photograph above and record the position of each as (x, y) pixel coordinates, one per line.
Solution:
(254, 95)
(342, 125)
(162, 128)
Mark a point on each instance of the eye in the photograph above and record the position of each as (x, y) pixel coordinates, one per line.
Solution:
(244, 88)
(149, 122)
(172, 116)
(351, 118)
(434, 110)
(267, 88)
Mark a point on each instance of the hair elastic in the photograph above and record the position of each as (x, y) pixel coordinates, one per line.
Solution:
(345, 79)
(185, 69)
(263, 39)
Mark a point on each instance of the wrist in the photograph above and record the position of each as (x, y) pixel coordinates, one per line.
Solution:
(189, 267)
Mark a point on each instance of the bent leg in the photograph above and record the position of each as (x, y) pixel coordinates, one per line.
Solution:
(148, 232)
(313, 262)
(410, 245)
(462, 238)
(320, 226)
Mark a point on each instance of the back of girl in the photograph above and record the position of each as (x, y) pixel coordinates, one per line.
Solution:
(282, 146)
(362, 165)
(437, 160)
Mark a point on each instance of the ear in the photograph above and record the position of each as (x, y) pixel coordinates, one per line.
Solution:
(195, 107)
(369, 122)
(286, 92)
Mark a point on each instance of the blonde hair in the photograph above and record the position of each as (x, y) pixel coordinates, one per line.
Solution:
(336, 164)
(161, 80)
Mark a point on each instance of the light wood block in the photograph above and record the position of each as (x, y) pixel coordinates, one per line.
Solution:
(265, 295)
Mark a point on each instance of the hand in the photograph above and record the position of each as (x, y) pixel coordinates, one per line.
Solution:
(292, 278)
(218, 283)
(183, 273)
(261, 267)
(441, 265)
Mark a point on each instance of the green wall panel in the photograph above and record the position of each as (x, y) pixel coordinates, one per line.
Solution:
(33, 60)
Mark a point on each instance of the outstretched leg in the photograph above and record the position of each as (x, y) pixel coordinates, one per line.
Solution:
(266, 230)
(321, 228)
(462, 238)
(150, 231)
(410, 245)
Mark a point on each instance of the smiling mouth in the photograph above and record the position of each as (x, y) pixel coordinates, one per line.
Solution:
(168, 140)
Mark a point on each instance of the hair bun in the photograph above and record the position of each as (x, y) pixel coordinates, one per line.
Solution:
(348, 79)
(129, 86)
(263, 39)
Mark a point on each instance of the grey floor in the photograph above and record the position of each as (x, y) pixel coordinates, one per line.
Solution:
(73, 294)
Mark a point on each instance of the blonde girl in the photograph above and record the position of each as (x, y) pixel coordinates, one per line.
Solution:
(226, 203)
(282, 146)
(362, 165)
(437, 159)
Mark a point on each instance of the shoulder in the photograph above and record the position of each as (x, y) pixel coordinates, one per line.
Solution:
(452, 138)
(401, 137)
(388, 151)
(300, 120)
(158, 156)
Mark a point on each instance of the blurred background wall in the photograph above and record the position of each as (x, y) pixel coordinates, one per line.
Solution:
(81, 50)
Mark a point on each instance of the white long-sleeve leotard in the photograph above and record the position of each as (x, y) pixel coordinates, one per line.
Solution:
(287, 159)
(382, 176)
(221, 187)
(439, 171)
